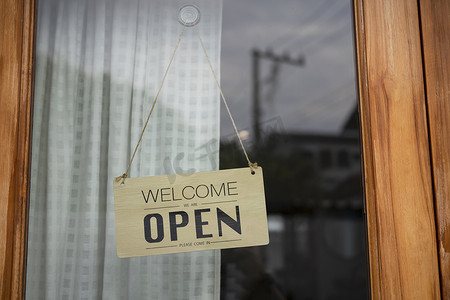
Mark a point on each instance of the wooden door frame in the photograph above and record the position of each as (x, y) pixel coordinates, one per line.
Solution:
(435, 28)
(393, 61)
(398, 175)
(17, 34)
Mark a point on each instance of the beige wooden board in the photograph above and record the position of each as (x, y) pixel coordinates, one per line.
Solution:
(190, 212)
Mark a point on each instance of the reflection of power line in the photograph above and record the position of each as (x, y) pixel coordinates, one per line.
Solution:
(338, 32)
(316, 15)
(330, 103)
(276, 60)
(319, 104)
(318, 43)
(334, 97)
(294, 79)
(334, 30)
(330, 40)
(337, 90)
(320, 11)
(325, 40)
(287, 82)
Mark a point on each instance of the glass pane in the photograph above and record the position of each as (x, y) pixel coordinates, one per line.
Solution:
(99, 65)
(288, 71)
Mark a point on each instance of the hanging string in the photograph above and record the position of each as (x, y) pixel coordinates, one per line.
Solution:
(125, 175)
(252, 166)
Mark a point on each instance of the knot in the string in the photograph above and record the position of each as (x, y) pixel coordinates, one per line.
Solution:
(253, 166)
(123, 176)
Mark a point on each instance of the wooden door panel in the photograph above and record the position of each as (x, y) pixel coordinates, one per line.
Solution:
(398, 186)
(435, 21)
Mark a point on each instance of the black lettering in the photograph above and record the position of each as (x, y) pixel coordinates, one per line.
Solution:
(215, 191)
(162, 195)
(148, 195)
(199, 223)
(231, 188)
(159, 227)
(173, 196)
(184, 196)
(174, 225)
(233, 224)
(207, 191)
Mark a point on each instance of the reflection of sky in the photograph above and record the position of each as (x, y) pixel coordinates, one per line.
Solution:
(315, 97)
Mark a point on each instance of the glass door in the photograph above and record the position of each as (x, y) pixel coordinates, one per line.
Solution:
(288, 68)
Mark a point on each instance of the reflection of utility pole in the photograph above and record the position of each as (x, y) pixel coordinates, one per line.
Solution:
(276, 60)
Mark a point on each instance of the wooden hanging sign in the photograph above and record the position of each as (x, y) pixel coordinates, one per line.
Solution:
(190, 212)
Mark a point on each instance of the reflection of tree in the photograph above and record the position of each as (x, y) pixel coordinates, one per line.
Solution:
(290, 179)
(291, 188)
(305, 191)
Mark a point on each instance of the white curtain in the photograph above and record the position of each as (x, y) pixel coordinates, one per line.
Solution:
(98, 66)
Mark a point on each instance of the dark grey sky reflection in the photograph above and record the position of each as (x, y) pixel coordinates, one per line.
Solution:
(316, 97)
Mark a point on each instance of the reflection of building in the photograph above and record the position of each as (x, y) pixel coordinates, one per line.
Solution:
(316, 225)
(321, 240)
(334, 157)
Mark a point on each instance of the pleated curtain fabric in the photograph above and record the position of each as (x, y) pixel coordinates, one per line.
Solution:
(98, 66)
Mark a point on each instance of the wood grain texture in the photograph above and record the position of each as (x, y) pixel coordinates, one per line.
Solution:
(368, 179)
(16, 46)
(435, 21)
(397, 174)
(190, 212)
